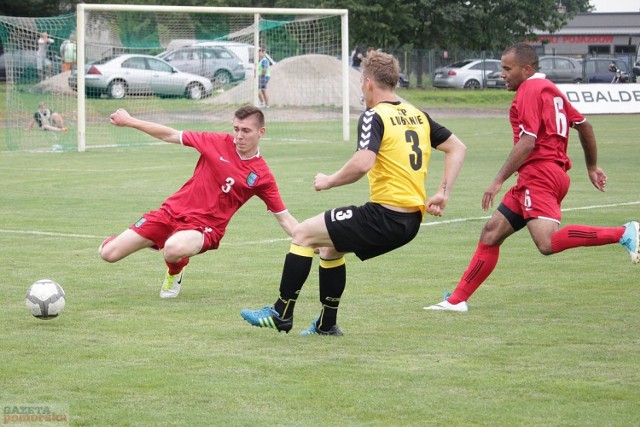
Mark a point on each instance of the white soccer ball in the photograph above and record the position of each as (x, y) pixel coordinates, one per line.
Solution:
(45, 299)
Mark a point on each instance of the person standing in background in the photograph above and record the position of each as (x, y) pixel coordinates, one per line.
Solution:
(356, 58)
(43, 63)
(264, 74)
(68, 53)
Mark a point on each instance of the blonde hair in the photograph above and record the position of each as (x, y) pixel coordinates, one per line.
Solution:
(383, 68)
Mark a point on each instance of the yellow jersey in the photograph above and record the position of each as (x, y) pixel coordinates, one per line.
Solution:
(402, 137)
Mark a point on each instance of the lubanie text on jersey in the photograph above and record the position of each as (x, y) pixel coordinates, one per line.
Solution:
(403, 121)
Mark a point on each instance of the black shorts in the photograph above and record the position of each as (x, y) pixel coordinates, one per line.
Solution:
(370, 230)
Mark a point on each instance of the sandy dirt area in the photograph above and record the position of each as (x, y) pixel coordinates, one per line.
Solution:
(291, 96)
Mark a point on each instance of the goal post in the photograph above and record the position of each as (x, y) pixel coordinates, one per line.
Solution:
(314, 93)
(304, 43)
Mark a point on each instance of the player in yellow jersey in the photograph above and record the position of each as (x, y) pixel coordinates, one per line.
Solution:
(394, 147)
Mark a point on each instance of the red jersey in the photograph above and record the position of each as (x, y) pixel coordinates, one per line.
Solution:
(539, 109)
(222, 182)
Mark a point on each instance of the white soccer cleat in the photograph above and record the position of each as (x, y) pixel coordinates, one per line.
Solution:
(171, 285)
(447, 306)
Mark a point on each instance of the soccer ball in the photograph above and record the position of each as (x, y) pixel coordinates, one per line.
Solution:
(45, 299)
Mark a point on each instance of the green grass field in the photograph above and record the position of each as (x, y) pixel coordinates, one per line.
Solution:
(548, 341)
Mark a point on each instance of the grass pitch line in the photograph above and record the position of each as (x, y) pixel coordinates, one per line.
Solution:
(579, 208)
(267, 241)
(47, 233)
(452, 221)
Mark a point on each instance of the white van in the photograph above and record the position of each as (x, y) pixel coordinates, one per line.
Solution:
(243, 50)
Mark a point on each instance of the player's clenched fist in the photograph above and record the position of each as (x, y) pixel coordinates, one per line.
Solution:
(120, 117)
(321, 182)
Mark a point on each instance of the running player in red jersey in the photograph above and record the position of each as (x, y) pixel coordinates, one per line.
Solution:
(541, 117)
(193, 220)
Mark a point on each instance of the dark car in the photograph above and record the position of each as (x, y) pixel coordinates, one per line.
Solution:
(403, 81)
(20, 66)
(597, 70)
(495, 80)
(216, 63)
(561, 69)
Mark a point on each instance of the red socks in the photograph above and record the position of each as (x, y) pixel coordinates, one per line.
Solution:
(486, 257)
(573, 236)
(482, 264)
(176, 267)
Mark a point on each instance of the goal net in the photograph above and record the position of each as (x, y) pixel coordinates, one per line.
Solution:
(311, 89)
(33, 76)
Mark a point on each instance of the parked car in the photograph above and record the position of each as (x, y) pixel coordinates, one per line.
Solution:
(244, 51)
(216, 63)
(130, 74)
(23, 66)
(403, 80)
(495, 80)
(558, 69)
(597, 69)
(468, 74)
(561, 69)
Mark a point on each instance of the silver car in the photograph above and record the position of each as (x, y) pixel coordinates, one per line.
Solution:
(140, 75)
(467, 74)
(216, 63)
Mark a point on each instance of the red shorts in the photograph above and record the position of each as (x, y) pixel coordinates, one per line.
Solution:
(539, 191)
(159, 225)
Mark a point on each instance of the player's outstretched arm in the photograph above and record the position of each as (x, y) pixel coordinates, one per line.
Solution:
(355, 168)
(164, 133)
(454, 153)
(287, 222)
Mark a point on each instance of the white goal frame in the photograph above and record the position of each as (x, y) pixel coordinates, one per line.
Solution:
(83, 7)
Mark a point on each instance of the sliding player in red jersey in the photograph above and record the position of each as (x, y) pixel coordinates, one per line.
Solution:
(193, 220)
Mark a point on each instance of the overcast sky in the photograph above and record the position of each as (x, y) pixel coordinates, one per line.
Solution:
(616, 5)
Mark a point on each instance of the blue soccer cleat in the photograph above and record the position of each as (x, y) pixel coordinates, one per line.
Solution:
(630, 240)
(313, 330)
(267, 317)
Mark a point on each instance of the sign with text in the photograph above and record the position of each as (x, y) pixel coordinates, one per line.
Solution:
(603, 98)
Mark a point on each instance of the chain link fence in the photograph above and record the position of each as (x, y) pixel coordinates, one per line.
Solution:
(420, 64)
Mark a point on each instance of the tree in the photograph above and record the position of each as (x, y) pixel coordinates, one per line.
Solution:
(484, 24)
(422, 24)
(32, 8)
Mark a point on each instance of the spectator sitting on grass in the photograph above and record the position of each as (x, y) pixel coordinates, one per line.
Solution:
(47, 119)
